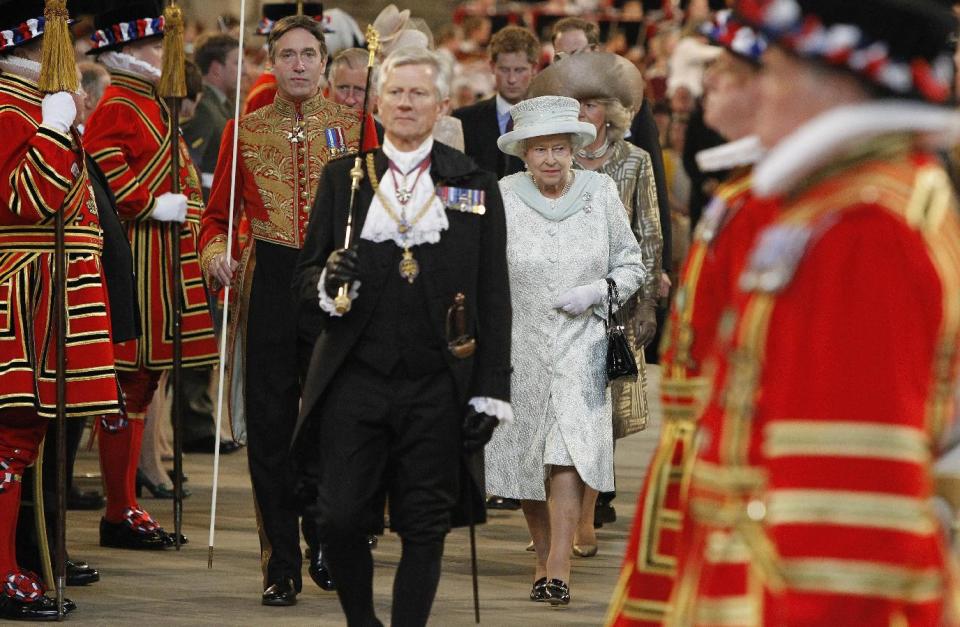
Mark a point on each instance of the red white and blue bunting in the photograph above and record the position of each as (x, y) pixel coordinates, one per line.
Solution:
(735, 36)
(846, 45)
(126, 32)
(23, 33)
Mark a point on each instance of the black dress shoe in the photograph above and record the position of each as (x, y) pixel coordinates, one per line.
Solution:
(603, 513)
(500, 502)
(122, 536)
(539, 591)
(206, 444)
(280, 593)
(558, 592)
(87, 501)
(43, 609)
(171, 539)
(81, 574)
(320, 572)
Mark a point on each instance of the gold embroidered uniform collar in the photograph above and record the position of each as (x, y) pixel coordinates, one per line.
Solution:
(21, 86)
(133, 82)
(307, 107)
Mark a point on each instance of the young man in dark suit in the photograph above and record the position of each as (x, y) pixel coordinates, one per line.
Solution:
(417, 371)
(514, 54)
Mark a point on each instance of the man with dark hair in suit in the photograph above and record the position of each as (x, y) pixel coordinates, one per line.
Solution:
(514, 53)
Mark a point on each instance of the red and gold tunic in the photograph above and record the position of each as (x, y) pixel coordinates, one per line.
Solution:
(282, 150)
(42, 171)
(129, 137)
(809, 501)
(722, 240)
(262, 93)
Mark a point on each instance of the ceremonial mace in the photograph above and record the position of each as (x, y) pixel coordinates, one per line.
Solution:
(58, 72)
(225, 320)
(342, 302)
(173, 87)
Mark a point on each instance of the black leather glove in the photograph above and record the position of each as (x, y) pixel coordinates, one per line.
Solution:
(343, 266)
(477, 430)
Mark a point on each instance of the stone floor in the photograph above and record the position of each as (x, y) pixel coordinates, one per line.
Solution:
(178, 589)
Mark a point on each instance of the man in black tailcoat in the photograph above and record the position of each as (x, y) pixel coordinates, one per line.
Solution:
(406, 387)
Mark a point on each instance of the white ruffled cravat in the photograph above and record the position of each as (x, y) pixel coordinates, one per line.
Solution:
(380, 227)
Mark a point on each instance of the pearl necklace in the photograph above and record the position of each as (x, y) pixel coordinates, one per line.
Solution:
(566, 188)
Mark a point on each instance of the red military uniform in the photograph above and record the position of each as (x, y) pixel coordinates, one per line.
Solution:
(42, 172)
(129, 138)
(809, 497)
(722, 240)
(262, 93)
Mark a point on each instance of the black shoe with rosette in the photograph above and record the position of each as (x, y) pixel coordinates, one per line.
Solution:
(23, 598)
(137, 531)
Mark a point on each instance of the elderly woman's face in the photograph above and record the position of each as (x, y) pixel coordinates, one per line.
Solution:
(549, 159)
(594, 112)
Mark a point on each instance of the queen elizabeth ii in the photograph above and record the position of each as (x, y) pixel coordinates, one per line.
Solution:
(567, 234)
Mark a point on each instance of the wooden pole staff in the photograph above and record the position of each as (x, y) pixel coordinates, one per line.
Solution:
(173, 87)
(226, 296)
(58, 72)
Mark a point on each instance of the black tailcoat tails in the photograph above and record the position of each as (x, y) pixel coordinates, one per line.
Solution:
(470, 259)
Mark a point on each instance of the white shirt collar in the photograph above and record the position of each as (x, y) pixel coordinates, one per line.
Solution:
(380, 227)
(503, 107)
(406, 161)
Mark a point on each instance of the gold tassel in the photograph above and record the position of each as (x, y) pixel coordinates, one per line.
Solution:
(173, 82)
(58, 65)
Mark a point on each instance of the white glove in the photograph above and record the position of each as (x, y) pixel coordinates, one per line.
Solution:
(59, 111)
(170, 208)
(577, 300)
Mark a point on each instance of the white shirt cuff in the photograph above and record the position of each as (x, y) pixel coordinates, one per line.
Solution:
(493, 407)
(326, 303)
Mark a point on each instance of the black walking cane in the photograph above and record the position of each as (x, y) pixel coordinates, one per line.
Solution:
(342, 301)
(473, 549)
(58, 72)
(172, 86)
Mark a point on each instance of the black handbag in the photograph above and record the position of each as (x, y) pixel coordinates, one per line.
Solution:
(620, 360)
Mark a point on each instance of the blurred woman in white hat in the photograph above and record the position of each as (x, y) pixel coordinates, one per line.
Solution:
(567, 233)
(609, 89)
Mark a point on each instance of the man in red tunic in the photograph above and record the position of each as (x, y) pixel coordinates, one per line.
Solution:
(129, 137)
(282, 149)
(42, 172)
(810, 495)
(708, 280)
